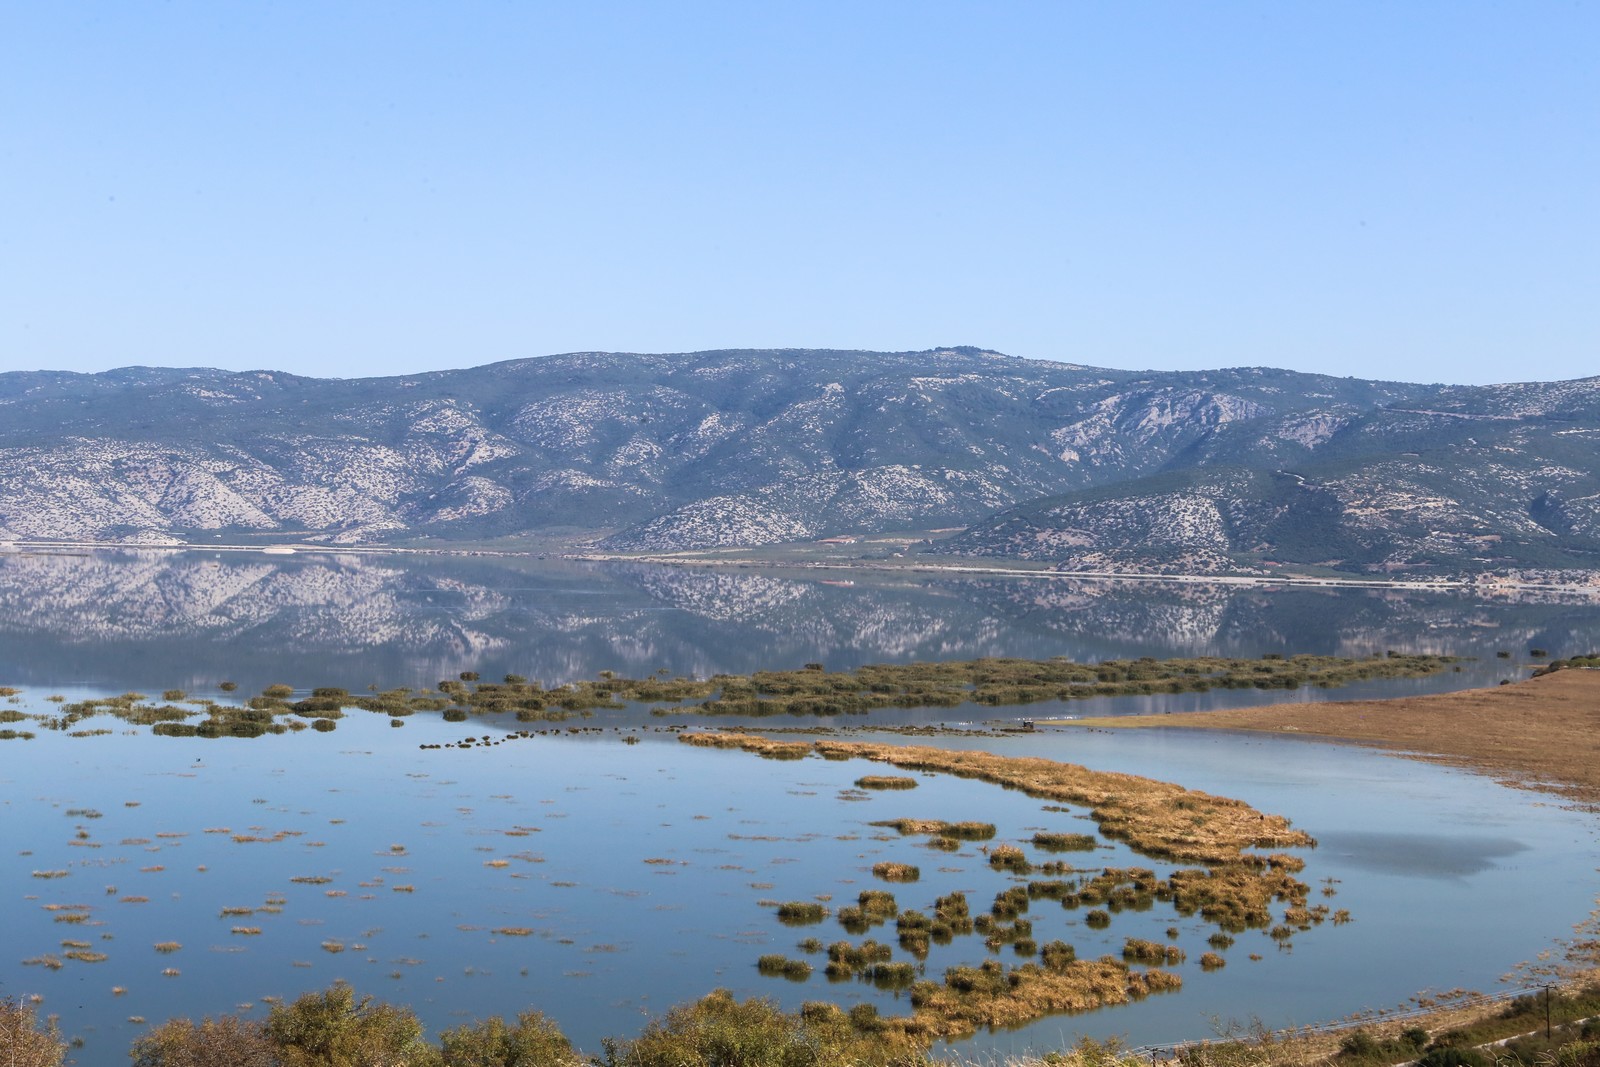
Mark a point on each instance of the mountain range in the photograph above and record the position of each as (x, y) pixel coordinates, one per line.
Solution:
(1084, 468)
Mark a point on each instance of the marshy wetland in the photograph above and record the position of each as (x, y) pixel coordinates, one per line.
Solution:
(457, 849)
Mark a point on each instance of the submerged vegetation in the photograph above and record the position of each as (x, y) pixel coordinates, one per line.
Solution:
(885, 781)
(1226, 885)
(1158, 819)
(810, 691)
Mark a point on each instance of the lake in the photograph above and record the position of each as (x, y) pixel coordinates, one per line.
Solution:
(602, 881)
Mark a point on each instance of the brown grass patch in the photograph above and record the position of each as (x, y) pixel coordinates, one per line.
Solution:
(1542, 733)
(992, 996)
(896, 872)
(1156, 818)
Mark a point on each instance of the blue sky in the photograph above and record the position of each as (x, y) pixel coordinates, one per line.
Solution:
(1391, 190)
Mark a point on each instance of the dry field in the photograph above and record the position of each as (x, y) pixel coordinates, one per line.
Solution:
(1542, 733)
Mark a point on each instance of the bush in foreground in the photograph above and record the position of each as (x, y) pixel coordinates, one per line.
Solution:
(225, 1042)
(533, 1041)
(719, 1031)
(335, 1028)
(24, 1040)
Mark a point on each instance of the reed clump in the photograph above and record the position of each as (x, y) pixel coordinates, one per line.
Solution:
(872, 908)
(845, 960)
(896, 872)
(1009, 903)
(992, 995)
(1009, 858)
(890, 975)
(951, 917)
(950, 831)
(1056, 955)
(781, 966)
(801, 912)
(1060, 842)
(1138, 950)
(916, 932)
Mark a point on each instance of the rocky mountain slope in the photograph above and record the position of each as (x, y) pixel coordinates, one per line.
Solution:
(1459, 487)
(738, 448)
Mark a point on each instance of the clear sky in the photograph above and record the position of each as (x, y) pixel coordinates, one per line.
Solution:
(1393, 190)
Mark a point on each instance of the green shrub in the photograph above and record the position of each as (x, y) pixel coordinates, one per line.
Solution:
(1358, 1044)
(534, 1041)
(1454, 1057)
(719, 1031)
(335, 1028)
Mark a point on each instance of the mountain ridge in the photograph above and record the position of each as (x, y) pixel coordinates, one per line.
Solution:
(739, 448)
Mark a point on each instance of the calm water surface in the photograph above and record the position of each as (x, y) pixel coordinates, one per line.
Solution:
(602, 882)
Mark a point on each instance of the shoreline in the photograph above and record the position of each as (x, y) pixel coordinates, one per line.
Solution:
(1483, 585)
(1541, 734)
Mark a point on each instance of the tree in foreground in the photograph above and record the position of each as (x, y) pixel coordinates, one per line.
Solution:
(24, 1042)
(225, 1042)
(335, 1028)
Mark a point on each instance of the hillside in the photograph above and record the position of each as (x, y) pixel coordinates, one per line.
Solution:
(745, 448)
(1461, 488)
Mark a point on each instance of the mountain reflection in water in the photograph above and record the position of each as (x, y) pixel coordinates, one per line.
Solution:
(158, 618)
